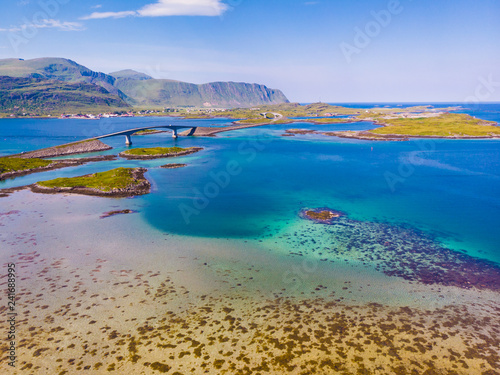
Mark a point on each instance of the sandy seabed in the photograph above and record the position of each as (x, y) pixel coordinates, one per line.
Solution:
(116, 296)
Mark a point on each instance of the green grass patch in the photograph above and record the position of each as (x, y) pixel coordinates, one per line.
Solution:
(8, 164)
(118, 178)
(254, 121)
(155, 151)
(446, 125)
(332, 120)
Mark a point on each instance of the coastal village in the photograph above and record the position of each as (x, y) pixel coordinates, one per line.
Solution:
(145, 112)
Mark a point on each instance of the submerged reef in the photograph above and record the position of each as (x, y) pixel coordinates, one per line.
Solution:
(396, 250)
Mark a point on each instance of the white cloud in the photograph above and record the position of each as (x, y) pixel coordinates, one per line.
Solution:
(100, 15)
(65, 26)
(96, 6)
(47, 24)
(184, 8)
(164, 8)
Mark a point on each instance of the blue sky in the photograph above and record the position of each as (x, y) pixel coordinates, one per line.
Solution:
(336, 51)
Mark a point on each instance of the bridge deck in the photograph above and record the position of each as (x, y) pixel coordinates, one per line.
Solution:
(132, 131)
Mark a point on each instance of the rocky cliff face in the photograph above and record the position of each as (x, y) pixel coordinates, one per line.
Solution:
(236, 94)
(167, 93)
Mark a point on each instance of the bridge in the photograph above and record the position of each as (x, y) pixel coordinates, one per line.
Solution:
(128, 133)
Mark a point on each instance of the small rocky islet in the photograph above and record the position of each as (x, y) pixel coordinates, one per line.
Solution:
(173, 165)
(323, 215)
(116, 212)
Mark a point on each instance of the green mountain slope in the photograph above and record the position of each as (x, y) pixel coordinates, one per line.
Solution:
(56, 68)
(44, 96)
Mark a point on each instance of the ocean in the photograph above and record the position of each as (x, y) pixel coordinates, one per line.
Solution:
(446, 188)
(216, 270)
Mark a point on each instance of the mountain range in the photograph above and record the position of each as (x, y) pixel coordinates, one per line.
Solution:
(51, 85)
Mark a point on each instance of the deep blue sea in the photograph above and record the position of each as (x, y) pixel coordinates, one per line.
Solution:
(248, 182)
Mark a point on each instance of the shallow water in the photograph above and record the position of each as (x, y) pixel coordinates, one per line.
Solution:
(225, 233)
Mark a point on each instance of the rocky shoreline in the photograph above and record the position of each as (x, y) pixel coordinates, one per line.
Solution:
(367, 136)
(189, 151)
(346, 134)
(81, 147)
(57, 164)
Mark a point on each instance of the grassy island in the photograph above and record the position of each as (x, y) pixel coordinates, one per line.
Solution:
(434, 125)
(158, 152)
(119, 182)
(8, 164)
(14, 166)
(154, 151)
(444, 125)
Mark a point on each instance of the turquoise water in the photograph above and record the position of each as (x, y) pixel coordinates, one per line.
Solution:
(251, 184)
